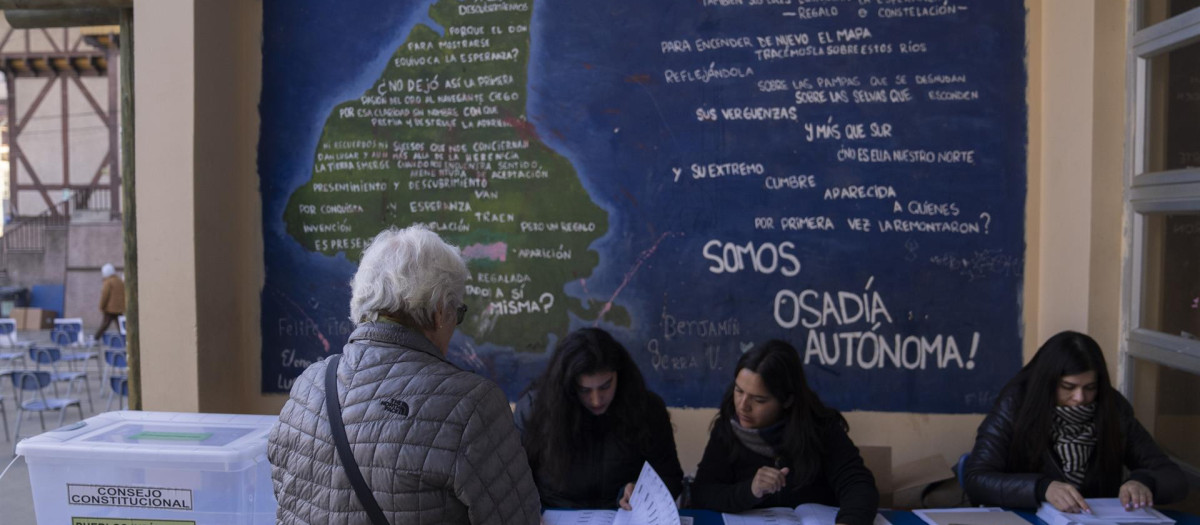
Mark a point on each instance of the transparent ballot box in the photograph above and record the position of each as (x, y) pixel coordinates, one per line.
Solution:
(129, 467)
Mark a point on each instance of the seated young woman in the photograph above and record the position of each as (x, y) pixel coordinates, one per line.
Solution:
(774, 444)
(589, 423)
(1059, 432)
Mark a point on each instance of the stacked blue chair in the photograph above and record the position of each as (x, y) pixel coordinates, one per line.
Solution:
(11, 350)
(30, 387)
(4, 417)
(51, 356)
(120, 388)
(111, 342)
(72, 351)
(118, 379)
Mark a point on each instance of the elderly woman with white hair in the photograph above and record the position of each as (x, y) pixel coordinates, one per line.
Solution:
(112, 298)
(421, 441)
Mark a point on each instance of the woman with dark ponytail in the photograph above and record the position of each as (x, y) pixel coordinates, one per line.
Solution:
(588, 424)
(775, 444)
(1060, 432)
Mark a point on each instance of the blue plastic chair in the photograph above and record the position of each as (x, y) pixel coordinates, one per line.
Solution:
(65, 340)
(120, 387)
(8, 341)
(114, 341)
(960, 470)
(33, 383)
(115, 360)
(49, 355)
(4, 417)
(111, 342)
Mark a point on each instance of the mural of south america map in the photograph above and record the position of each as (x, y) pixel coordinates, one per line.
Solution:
(696, 177)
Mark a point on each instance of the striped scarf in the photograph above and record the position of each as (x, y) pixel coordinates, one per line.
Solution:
(1074, 433)
(761, 441)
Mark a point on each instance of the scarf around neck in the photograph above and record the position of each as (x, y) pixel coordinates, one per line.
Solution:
(1074, 434)
(761, 441)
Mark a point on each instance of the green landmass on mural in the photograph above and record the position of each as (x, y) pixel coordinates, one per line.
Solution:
(441, 139)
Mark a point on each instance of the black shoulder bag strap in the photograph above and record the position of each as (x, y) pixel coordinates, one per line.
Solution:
(334, 410)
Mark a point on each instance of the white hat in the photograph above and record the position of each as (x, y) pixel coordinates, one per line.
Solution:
(107, 270)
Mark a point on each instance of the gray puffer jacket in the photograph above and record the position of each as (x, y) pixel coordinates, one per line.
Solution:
(436, 444)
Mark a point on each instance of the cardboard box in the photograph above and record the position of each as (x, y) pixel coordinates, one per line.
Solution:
(18, 315)
(34, 318)
(42, 319)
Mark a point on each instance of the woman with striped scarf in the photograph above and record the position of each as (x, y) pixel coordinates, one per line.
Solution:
(1060, 432)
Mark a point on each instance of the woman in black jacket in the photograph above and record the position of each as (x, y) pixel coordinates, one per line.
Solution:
(774, 444)
(589, 423)
(1060, 432)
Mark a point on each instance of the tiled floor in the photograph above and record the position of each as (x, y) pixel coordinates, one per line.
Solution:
(16, 497)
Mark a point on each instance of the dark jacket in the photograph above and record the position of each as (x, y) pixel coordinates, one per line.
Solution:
(727, 469)
(433, 442)
(604, 462)
(990, 481)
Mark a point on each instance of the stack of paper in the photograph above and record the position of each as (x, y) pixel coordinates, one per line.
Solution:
(1105, 511)
(807, 514)
(970, 516)
(651, 501)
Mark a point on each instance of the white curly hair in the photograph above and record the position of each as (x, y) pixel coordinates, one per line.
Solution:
(411, 272)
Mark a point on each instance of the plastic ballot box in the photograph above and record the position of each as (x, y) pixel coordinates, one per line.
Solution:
(132, 468)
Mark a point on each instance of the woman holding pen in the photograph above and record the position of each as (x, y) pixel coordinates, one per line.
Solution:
(775, 444)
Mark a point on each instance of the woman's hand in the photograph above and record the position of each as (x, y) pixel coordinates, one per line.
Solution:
(625, 498)
(1135, 495)
(1066, 497)
(768, 481)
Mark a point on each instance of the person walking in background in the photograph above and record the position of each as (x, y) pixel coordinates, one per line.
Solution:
(112, 298)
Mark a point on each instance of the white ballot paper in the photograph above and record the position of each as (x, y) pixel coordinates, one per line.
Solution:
(651, 501)
(806, 514)
(1105, 511)
(579, 517)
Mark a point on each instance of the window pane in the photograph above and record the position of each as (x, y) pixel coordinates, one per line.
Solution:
(1155, 11)
(1171, 285)
(1167, 402)
(1173, 129)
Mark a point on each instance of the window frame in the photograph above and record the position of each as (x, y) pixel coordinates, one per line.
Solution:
(1152, 193)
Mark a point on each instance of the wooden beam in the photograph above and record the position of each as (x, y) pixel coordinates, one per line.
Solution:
(67, 4)
(10, 82)
(114, 130)
(7, 36)
(126, 181)
(100, 171)
(60, 187)
(33, 175)
(48, 55)
(37, 102)
(91, 100)
(42, 18)
(66, 131)
(50, 39)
